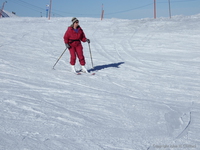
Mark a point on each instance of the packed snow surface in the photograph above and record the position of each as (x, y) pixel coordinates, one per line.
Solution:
(145, 94)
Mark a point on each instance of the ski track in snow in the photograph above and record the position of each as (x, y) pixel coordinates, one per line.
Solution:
(144, 95)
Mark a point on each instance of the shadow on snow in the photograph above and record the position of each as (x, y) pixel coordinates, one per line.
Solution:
(100, 67)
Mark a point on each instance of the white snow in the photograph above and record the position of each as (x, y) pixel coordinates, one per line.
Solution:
(145, 94)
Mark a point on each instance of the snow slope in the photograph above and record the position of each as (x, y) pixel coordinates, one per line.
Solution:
(145, 94)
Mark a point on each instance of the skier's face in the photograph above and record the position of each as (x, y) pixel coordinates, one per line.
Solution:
(76, 24)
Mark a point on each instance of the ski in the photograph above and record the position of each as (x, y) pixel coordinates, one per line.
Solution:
(80, 73)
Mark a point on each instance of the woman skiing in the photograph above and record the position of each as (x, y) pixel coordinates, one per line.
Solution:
(72, 38)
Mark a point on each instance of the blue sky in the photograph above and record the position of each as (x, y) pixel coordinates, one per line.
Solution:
(124, 9)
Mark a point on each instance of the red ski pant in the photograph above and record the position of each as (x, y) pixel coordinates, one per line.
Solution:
(77, 52)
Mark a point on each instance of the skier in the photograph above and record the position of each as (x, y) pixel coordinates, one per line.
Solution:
(72, 38)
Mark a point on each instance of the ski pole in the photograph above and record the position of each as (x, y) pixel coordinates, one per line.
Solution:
(59, 58)
(91, 55)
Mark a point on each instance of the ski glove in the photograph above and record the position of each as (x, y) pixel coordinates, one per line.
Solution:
(67, 45)
(88, 40)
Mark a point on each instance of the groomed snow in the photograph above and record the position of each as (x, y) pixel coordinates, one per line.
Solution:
(145, 94)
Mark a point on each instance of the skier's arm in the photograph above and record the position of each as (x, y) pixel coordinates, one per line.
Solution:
(66, 37)
(83, 38)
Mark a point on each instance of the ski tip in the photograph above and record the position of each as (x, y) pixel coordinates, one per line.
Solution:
(93, 73)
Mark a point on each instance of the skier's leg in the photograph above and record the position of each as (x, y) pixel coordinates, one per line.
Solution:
(79, 50)
(72, 52)
(72, 58)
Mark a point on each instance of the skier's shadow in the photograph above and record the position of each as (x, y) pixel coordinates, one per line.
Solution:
(100, 67)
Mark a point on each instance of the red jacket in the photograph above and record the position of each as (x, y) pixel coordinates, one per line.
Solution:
(74, 38)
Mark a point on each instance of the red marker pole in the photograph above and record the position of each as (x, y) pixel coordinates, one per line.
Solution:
(102, 13)
(169, 10)
(50, 9)
(154, 9)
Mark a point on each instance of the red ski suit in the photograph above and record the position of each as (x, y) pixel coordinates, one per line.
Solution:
(73, 38)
